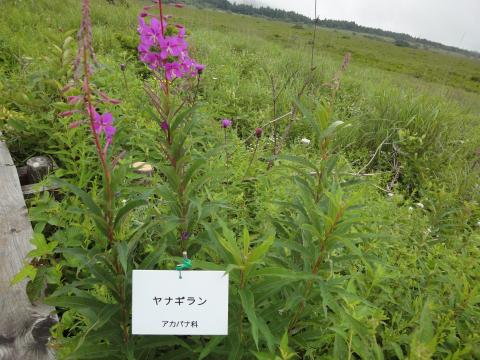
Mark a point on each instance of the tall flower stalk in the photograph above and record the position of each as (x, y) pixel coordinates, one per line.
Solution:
(164, 49)
(103, 131)
(101, 125)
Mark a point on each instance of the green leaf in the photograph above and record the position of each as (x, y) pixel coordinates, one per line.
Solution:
(122, 252)
(85, 197)
(181, 117)
(94, 351)
(284, 343)
(212, 344)
(259, 251)
(264, 356)
(246, 242)
(299, 160)
(129, 206)
(136, 236)
(330, 130)
(248, 304)
(41, 246)
(85, 304)
(28, 271)
(155, 342)
(36, 286)
(192, 169)
(104, 276)
(266, 333)
(424, 343)
(95, 211)
(232, 249)
(285, 274)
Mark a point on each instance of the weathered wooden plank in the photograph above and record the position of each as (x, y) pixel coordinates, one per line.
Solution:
(24, 327)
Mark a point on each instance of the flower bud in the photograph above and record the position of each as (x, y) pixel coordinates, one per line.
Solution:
(226, 123)
(258, 132)
(164, 125)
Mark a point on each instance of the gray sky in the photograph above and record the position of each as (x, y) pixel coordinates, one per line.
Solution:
(451, 22)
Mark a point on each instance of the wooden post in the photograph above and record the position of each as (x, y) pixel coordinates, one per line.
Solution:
(145, 169)
(142, 168)
(38, 167)
(24, 327)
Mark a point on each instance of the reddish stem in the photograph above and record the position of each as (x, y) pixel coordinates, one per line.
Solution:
(101, 153)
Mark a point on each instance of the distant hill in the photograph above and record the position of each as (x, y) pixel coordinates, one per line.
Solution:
(399, 38)
(255, 8)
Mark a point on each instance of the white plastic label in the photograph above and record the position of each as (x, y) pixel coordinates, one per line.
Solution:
(165, 304)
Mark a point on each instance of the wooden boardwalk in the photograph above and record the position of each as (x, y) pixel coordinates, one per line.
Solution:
(24, 327)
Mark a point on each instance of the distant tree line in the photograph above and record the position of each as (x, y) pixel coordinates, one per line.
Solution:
(244, 9)
(400, 39)
(403, 40)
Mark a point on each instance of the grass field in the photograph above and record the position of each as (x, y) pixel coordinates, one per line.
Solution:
(401, 280)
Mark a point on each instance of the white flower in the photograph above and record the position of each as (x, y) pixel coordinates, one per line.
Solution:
(410, 208)
(305, 141)
(420, 205)
(478, 224)
(390, 194)
(124, 201)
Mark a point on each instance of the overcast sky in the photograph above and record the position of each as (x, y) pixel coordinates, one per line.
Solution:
(451, 22)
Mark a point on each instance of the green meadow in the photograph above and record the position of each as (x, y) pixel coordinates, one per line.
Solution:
(381, 254)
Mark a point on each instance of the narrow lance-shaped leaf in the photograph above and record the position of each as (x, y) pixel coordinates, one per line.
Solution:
(129, 206)
(248, 304)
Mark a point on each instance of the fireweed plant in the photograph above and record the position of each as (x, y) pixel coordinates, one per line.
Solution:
(164, 49)
(97, 297)
(288, 282)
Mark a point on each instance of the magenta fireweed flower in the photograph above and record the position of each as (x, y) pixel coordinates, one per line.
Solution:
(166, 51)
(226, 123)
(103, 124)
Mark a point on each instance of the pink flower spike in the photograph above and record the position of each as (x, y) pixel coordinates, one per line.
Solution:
(143, 14)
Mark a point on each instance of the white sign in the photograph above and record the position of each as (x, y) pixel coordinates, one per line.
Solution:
(165, 304)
